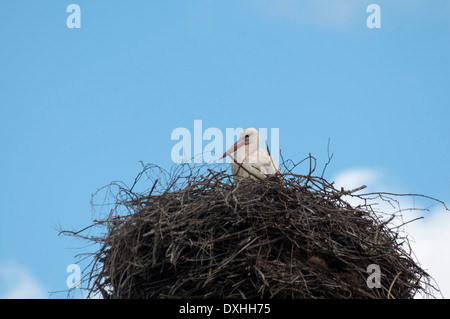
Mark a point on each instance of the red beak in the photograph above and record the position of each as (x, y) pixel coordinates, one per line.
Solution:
(233, 148)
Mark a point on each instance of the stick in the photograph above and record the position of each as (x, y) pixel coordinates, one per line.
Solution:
(403, 195)
(392, 284)
(271, 159)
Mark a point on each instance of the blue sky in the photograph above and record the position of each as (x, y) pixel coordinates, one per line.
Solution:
(80, 108)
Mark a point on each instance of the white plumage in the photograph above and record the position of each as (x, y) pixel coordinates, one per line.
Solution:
(250, 158)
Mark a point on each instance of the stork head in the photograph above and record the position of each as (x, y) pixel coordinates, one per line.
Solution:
(249, 137)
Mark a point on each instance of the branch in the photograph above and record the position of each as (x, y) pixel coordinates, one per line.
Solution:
(409, 195)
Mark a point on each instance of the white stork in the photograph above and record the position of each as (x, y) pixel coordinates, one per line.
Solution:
(250, 160)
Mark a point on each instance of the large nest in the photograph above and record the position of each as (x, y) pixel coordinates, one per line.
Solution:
(289, 236)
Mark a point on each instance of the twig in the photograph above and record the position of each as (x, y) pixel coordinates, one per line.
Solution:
(329, 158)
(392, 284)
(408, 195)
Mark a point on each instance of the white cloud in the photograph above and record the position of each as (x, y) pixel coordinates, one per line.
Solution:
(428, 237)
(429, 241)
(16, 282)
